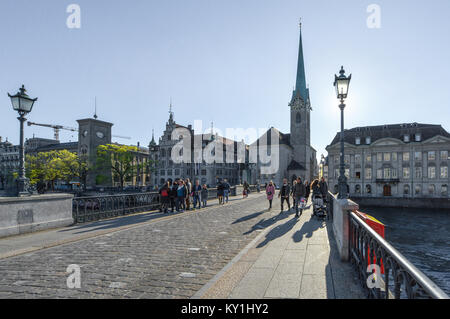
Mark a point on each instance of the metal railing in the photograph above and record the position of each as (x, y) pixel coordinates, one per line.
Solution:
(93, 208)
(397, 278)
(88, 209)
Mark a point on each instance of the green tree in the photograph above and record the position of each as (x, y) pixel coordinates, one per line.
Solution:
(52, 166)
(118, 159)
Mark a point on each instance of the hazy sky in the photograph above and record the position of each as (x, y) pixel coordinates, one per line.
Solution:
(228, 61)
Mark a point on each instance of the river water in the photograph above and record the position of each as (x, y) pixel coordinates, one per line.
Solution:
(422, 236)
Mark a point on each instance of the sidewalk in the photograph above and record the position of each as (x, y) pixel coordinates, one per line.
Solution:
(296, 258)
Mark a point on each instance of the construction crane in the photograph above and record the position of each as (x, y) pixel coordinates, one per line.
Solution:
(57, 128)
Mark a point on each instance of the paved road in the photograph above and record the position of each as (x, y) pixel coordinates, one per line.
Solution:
(170, 258)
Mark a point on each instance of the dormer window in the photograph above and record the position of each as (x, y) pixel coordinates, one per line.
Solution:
(368, 140)
(358, 141)
(418, 137)
(406, 138)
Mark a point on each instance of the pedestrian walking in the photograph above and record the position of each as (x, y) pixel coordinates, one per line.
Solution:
(270, 192)
(226, 190)
(173, 195)
(188, 193)
(181, 196)
(299, 194)
(204, 195)
(220, 192)
(284, 194)
(164, 194)
(308, 191)
(196, 194)
(323, 188)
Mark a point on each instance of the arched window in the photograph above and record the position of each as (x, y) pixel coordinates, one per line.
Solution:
(368, 189)
(358, 189)
(431, 189)
(298, 118)
(406, 190)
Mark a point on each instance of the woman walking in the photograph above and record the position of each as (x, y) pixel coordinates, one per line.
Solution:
(308, 191)
(270, 192)
(164, 194)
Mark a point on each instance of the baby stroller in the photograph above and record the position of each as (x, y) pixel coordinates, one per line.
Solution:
(319, 207)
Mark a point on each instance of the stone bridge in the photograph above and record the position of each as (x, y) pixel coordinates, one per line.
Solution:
(238, 250)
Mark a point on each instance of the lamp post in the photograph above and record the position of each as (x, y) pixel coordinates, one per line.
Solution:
(23, 104)
(341, 84)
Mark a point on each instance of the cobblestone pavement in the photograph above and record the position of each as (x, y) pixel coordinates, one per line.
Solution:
(167, 259)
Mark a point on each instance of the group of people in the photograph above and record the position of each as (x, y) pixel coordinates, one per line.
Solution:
(299, 192)
(223, 191)
(180, 194)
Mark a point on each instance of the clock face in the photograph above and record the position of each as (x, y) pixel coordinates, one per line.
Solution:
(100, 135)
(85, 133)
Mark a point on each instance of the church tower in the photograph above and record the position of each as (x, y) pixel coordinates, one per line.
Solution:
(300, 114)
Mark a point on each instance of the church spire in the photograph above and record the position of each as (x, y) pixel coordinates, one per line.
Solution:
(300, 85)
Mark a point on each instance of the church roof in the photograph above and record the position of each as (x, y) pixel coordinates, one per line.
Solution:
(396, 131)
(283, 139)
(300, 91)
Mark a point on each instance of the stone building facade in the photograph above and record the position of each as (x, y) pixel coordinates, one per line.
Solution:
(400, 160)
(207, 173)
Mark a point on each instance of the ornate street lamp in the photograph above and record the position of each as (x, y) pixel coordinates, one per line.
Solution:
(341, 84)
(23, 104)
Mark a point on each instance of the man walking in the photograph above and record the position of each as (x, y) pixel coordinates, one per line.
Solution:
(299, 192)
(196, 194)
(284, 194)
(323, 188)
(226, 190)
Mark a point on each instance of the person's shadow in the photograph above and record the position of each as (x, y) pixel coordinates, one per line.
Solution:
(278, 231)
(307, 230)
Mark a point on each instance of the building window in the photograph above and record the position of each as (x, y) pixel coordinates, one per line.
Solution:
(444, 190)
(177, 172)
(387, 173)
(368, 173)
(394, 156)
(358, 141)
(298, 118)
(379, 157)
(369, 158)
(347, 173)
(444, 172)
(417, 156)
(418, 172)
(203, 172)
(379, 173)
(358, 158)
(418, 190)
(358, 175)
(405, 172)
(347, 159)
(358, 189)
(418, 137)
(405, 156)
(368, 140)
(431, 172)
(431, 189)
(387, 157)
(431, 155)
(444, 155)
(406, 138)
(336, 159)
(406, 190)
(394, 173)
(169, 172)
(163, 173)
(368, 189)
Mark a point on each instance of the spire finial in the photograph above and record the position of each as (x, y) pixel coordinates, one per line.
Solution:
(300, 23)
(170, 108)
(95, 113)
